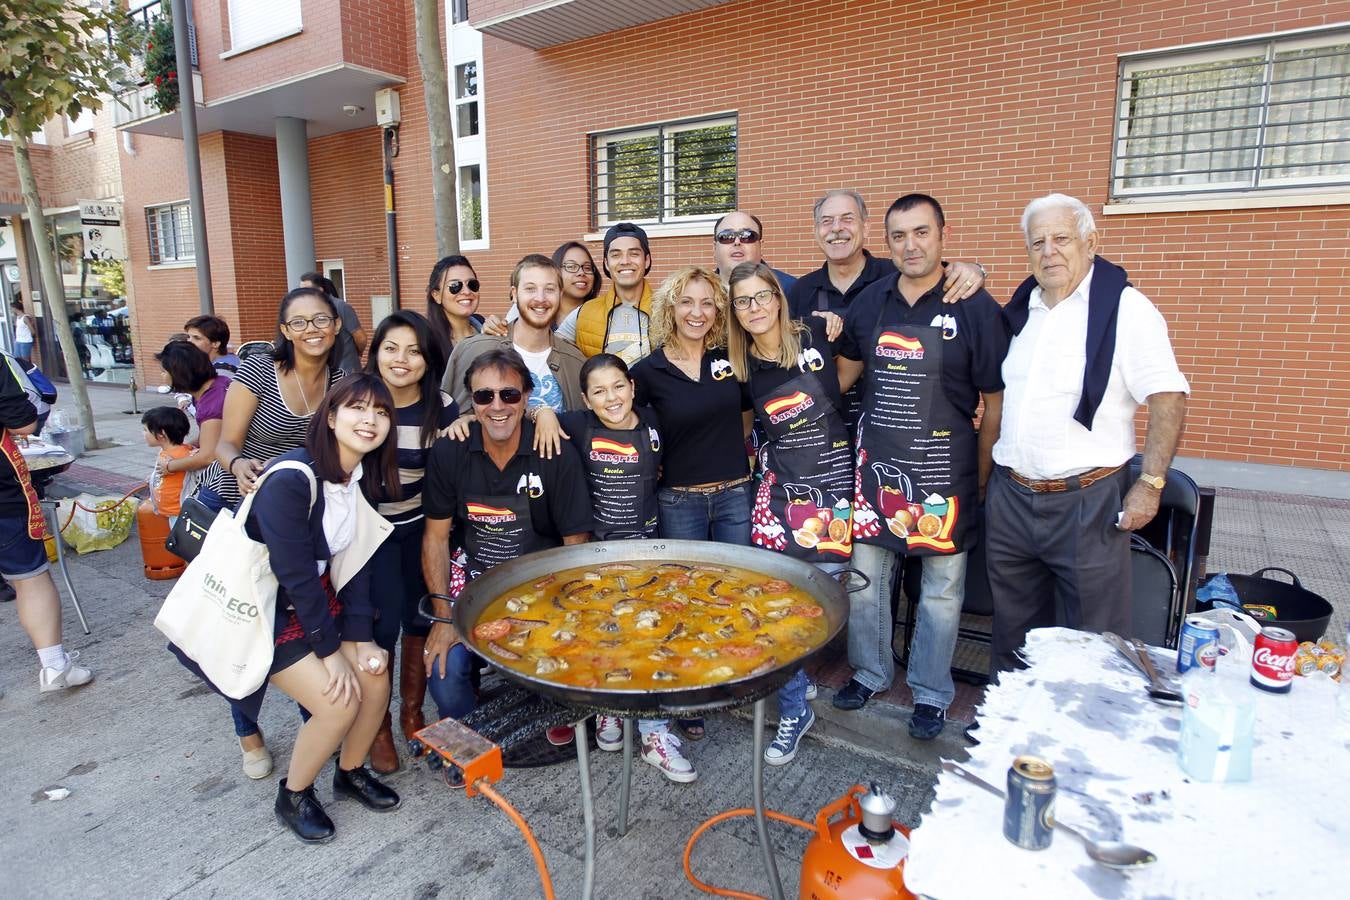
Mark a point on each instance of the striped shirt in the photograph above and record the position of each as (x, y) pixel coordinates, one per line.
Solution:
(274, 428)
(412, 458)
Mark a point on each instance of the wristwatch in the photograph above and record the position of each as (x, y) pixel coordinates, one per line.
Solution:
(1154, 481)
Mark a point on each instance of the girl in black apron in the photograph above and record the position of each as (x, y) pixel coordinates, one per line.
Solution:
(805, 462)
(620, 449)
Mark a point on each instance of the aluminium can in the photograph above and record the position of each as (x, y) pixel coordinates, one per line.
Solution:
(1273, 658)
(1198, 645)
(1028, 812)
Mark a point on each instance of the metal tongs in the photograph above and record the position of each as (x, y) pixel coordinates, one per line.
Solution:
(1138, 656)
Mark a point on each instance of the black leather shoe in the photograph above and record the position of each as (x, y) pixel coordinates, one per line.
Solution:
(301, 812)
(360, 784)
(852, 695)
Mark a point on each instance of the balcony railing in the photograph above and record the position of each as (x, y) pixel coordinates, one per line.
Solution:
(136, 104)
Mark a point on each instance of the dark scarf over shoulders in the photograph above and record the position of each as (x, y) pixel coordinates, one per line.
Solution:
(1108, 281)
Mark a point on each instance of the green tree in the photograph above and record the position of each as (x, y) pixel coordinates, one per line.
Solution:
(436, 93)
(56, 57)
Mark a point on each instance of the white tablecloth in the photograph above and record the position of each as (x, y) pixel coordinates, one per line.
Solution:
(1083, 708)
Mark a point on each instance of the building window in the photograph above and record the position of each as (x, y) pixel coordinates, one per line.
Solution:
(170, 230)
(664, 173)
(257, 22)
(1259, 115)
(459, 11)
(471, 203)
(466, 99)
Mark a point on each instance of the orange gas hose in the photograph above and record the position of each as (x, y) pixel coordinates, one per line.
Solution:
(482, 786)
(720, 817)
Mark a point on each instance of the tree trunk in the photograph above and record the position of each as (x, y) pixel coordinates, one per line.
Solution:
(52, 288)
(436, 92)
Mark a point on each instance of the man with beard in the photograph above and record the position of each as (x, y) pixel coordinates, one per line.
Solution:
(616, 321)
(554, 364)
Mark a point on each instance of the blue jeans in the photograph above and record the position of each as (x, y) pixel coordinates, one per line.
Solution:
(723, 516)
(792, 696)
(210, 499)
(243, 725)
(871, 629)
(24, 350)
(453, 690)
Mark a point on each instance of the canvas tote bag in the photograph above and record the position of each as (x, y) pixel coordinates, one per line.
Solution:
(221, 613)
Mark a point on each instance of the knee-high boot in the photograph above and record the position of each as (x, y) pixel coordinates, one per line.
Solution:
(383, 753)
(412, 686)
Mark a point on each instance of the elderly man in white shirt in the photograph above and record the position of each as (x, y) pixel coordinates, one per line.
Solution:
(1087, 351)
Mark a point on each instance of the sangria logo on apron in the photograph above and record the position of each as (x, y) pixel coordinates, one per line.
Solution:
(610, 451)
(781, 409)
(721, 370)
(531, 485)
(655, 439)
(893, 345)
(810, 360)
(489, 515)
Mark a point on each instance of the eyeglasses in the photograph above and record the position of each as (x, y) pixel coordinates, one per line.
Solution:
(510, 396)
(572, 268)
(321, 321)
(454, 287)
(761, 299)
(730, 236)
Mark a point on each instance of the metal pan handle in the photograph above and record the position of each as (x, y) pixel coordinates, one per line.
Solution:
(839, 576)
(424, 607)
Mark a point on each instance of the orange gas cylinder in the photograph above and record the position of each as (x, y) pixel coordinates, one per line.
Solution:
(153, 528)
(861, 855)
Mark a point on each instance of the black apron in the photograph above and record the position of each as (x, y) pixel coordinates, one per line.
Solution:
(917, 476)
(621, 473)
(802, 502)
(497, 529)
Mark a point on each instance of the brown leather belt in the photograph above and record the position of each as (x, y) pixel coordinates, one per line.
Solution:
(1072, 483)
(712, 488)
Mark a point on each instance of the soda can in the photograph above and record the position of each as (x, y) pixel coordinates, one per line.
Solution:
(1273, 660)
(1028, 812)
(1305, 663)
(1330, 663)
(1199, 644)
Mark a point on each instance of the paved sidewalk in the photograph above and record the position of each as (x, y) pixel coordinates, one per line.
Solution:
(159, 808)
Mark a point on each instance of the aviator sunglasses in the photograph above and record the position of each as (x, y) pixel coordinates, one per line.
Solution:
(730, 236)
(510, 396)
(454, 287)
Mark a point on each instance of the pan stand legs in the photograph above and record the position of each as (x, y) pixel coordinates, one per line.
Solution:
(587, 806)
(626, 785)
(761, 824)
(61, 564)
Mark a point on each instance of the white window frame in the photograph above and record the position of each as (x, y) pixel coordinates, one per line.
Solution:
(328, 266)
(1248, 184)
(155, 238)
(465, 45)
(284, 19)
(667, 131)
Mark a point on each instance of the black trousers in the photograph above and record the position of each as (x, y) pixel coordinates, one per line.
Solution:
(1055, 559)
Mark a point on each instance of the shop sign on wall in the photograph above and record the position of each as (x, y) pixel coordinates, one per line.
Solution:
(101, 222)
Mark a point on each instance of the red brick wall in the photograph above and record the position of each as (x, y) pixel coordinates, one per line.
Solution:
(985, 105)
(346, 186)
(259, 255)
(318, 45)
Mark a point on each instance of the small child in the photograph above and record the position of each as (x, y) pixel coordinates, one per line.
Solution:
(167, 428)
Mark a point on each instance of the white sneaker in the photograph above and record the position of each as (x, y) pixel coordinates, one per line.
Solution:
(257, 763)
(811, 690)
(50, 679)
(609, 732)
(662, 749)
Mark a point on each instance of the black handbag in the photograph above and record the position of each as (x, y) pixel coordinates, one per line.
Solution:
(189, 531)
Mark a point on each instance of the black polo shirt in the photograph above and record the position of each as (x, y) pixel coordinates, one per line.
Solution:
(459, 468)
(15, 412)
(701, 427)
(972, 360)
(814, 291)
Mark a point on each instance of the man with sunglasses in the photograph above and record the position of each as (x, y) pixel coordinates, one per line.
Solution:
(501, 500)
(616, 321)
(738, 238)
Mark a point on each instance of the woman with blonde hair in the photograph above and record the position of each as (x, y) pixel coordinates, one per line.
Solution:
(704, 491)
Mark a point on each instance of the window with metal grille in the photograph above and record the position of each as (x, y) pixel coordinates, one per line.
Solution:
(678, 171)
(1258, 115)
(170, 230)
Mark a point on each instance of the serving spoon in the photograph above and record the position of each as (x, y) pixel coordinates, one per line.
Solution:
(1137, 654)
(1111, 854)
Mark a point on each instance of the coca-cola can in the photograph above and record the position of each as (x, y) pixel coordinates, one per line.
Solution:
(1273, 660)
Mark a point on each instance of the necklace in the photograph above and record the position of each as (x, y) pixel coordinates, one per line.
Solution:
(309, 410)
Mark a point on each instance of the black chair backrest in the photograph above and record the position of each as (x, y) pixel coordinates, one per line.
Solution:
(1154, 587)
(1174, 529)
(979, 600)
